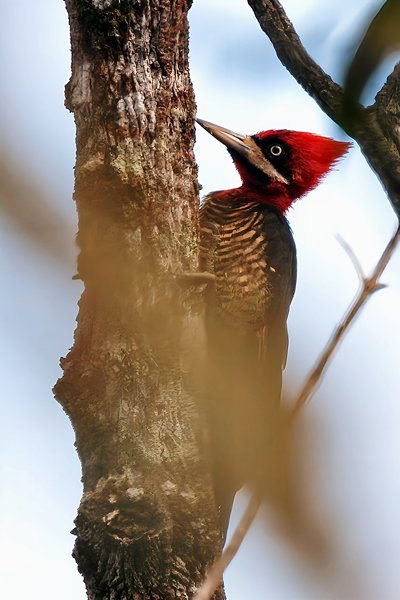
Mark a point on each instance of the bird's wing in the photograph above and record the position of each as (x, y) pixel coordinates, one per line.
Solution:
(253, 257)
(282, 275)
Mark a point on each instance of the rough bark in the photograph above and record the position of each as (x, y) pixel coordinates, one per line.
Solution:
(146, 525)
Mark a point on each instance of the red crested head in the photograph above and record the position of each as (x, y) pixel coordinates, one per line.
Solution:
(279, 166)
(305, 158)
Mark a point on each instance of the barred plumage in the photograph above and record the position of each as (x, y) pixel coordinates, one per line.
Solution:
(249, 248)
(247, 245)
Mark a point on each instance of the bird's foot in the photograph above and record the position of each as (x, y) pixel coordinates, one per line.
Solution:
(195, 278)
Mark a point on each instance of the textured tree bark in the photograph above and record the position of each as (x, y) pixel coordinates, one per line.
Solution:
(147, 524)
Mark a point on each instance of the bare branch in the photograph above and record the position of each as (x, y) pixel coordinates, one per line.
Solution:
(370, 285)
(365, 125)
(214, 576)
(292, 54)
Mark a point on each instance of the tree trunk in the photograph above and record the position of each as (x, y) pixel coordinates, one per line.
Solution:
(147, 525)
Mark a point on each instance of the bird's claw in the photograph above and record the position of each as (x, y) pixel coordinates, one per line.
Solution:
(195, 278)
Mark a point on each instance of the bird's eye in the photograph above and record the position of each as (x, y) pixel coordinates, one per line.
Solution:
(276, 150)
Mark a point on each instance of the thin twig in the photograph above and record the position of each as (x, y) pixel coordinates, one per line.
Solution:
(214, 575)
(369, 286)
(353, 257)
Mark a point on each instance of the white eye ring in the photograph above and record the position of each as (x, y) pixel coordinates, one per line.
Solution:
(276, 150)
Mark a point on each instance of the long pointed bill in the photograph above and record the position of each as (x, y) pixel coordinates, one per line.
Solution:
(245, 146)
(230, 139)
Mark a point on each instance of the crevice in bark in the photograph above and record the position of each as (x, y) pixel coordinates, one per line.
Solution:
(147, 525)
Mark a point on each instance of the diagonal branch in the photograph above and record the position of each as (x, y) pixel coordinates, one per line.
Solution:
(369, 286)
(24, 201)
(292, 54)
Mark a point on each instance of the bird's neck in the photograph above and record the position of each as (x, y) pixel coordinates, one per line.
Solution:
(275, 197)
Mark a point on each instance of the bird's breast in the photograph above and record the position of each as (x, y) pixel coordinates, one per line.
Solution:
(234, 247)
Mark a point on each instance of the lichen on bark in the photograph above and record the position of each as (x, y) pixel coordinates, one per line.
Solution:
(147, 525)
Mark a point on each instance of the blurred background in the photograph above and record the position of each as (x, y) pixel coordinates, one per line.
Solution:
(348, 442)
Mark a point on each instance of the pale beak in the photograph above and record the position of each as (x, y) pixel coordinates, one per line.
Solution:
(245, 146)
(230, 139)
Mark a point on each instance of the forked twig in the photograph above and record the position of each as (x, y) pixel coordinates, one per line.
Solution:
(353, 257)
(369, 285)
(214, 575)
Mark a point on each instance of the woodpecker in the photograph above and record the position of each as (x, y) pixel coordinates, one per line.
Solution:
(247, 247)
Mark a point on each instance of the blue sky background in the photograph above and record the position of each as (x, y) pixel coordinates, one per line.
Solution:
(349, 443)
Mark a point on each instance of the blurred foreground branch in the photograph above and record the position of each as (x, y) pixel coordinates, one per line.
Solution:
(26, 204)
(381, 38)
